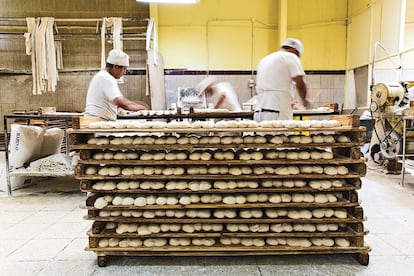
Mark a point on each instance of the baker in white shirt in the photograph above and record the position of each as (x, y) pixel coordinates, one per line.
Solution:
(277, 74)
(104, 97)
(220, 93)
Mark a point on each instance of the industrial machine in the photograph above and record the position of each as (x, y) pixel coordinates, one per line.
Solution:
(389, 102)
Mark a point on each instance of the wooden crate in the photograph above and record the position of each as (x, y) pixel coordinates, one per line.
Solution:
(47, 110)
(83, 121)
(347, 120)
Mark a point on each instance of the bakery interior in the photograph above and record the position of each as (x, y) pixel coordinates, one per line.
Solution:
(68, 209)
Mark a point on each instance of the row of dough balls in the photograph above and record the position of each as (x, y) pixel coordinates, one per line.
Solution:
(149, 229)
(218, 184)
(141, 201)
(216, 140)
(123, 112)
(231, 213)
(161, 242)
(218, 154)
(244, 123)
(215, 170)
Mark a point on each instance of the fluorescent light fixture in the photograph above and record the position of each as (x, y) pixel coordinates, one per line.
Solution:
(170, 1)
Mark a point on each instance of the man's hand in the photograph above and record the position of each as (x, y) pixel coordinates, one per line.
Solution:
(307, 103)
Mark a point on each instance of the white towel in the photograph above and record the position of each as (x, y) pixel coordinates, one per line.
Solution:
(115, 23)
(41, 46)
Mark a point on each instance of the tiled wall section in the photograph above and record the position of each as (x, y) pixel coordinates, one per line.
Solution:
(15, 90)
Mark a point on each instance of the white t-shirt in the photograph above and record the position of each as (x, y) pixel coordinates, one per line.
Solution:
(102, 90)
(231, 101)
(274, 82)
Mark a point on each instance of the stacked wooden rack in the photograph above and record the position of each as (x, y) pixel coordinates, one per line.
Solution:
(222, 192)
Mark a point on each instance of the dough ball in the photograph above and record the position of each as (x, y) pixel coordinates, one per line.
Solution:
(322, 227)
(315, 155)
(109, 185)
(289, 123)
(321, 198)
(304, 155)
(340, 213)
(330, 170)
(342, 242)
(343, 139)
(90, 170)
(327, 155)
(305, 140)
(185, 200)
(328, 242)
(342, 170)
(271, 213)
(98, 156)
(338, 182)
(114, 171)
(292, 155)
(127, 171)
(306, 169)
(275, 198)
(116, 141)
(316, 241)
(240, 199)
(317, 169)
(329, 139)
(100, 203)
(171, 200)
(229, 199)
(103, 243)
(272, 241)
(184, 140)
(294, 139)
(276, 140)
(128, 201)
(300, 183)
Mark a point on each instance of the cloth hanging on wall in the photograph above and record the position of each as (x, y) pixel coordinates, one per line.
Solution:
(115, 23)
(30, 36)
(41, 46)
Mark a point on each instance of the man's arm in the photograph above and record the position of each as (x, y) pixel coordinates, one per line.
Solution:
(302, 90)
(220, 100)
(129, 105)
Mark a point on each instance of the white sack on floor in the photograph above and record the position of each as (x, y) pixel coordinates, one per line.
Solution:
(25, 144)
(52, 141)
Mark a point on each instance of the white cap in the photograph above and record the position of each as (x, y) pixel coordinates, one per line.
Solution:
(118, 57)
(294, 43)
(202, 85)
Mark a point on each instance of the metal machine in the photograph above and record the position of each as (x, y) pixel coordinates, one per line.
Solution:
(389, 101)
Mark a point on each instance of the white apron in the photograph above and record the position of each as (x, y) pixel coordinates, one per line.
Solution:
(273, 105)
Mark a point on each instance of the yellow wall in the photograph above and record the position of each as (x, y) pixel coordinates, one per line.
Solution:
(235, 34)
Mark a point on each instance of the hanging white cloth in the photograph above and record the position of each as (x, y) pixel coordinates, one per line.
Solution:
(41, 46)
(115, 23)
(30, 37)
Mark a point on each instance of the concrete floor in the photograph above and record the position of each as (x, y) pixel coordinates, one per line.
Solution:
(42, 232)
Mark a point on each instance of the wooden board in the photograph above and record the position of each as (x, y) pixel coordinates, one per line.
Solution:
(155, 71)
